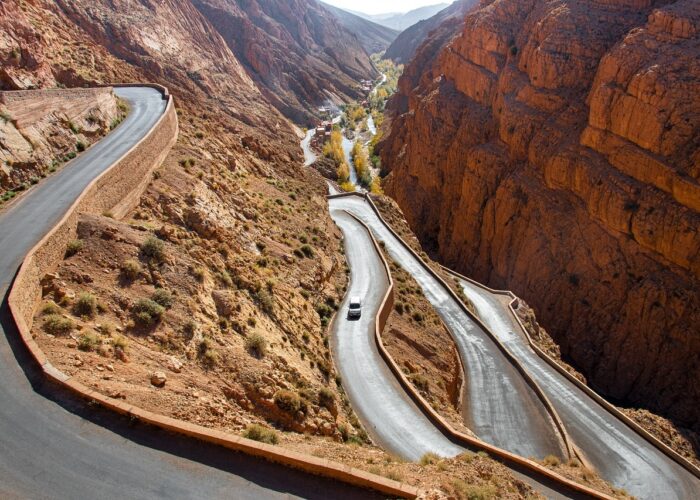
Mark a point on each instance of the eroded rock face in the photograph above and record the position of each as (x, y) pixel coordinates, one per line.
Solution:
(297, 52)
(40, 130)
(404, 47)
(552, 148)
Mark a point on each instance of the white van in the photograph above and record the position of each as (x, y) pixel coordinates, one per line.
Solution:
(355, 307)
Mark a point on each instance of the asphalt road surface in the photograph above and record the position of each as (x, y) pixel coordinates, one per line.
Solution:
(309, 156)
(390, 416)
(387, 412)
(501, 408)
(53, 446)
(618, 453)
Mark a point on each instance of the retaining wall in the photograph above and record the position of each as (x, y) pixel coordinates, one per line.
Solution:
(594, 395)
(568, 442)
(118, 190)
(457, 437)
(663, 447)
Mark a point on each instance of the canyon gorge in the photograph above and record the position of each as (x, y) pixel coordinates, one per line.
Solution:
(552, 148)
(548, 147)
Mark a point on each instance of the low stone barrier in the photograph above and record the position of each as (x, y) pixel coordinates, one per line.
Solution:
(682, 461)
(455, 436)
(663, 447)
(568, 442)
(118, 190)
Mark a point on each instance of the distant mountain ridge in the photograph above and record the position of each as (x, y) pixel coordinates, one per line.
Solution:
(404, 47)
(372, 36)
(403, 20)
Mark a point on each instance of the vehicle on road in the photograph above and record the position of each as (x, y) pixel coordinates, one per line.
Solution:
(355, 308)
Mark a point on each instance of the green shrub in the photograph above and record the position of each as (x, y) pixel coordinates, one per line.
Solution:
(225, 278)
(266, 301)
(324, 368)
(147, 312)
(429, 458)
(199, 274)
(50, 307)
(85, 305)
(131, 269)
(289, 402)
(88, 341)
(80, 146)
(394, 475)
(259, 433)
(58, 325)
(163, 297)
(326, 397)
(121, 342)
(307, 251)
(420, 381)
(153, 249)
(466, 491)
(210, 358)
(256, 344)
(324, 313)
(74, 247)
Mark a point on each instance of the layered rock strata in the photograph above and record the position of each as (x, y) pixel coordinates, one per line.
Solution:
(552, 148)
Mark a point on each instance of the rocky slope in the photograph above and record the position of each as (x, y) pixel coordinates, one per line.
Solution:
(402, 50)
(210, 301)
(232, 237)
(552, 148)
(39, 131)
(297, 52)
(374, 37)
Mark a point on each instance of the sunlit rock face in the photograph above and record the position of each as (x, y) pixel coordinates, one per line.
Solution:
(553, 148)
(297, 51)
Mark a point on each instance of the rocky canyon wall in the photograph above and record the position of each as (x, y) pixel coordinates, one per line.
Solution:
(553, 148)
(298, 53)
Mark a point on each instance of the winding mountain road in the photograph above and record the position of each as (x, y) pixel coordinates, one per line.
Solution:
(374, 392)
(53, 446)
(309, 155)
(619, 454)
(501, 408)
(388, 414)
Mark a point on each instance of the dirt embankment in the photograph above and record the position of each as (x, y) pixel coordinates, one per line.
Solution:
(419, 342)
(41, 130)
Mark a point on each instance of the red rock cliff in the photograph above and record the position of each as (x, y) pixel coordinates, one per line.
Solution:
(297, 51)
(552, 147)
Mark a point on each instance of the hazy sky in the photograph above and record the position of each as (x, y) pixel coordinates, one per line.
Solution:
(381, 6)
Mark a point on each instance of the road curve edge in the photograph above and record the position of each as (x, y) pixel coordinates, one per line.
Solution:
(119, 198)
(426, 408)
